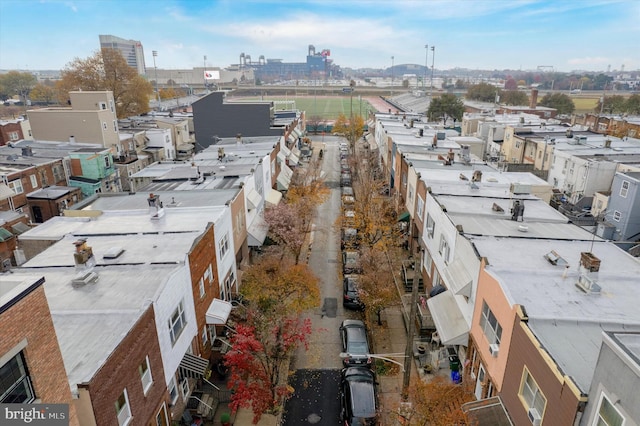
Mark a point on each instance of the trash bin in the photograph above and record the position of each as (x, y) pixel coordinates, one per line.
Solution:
(454, 363)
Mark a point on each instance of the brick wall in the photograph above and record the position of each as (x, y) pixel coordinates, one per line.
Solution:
(30, 319)
(120, 371)
(201, 256)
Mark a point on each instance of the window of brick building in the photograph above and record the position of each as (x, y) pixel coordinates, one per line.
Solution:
(123, 409)
(15, 383)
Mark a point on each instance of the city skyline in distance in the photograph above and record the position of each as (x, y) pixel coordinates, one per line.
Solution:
(589, 35)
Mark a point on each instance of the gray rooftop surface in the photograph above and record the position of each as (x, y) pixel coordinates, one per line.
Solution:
(176, 219)
(567, 321)
(80, 313)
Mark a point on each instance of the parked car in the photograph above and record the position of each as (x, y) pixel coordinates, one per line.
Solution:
(351, 262)
(345, 179)
(355, 345)
(347, 190)
(349, 238)
(350, 297)
(358, 397)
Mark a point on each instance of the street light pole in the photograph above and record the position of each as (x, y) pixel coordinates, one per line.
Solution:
(426, 67)
(204, 72)
(433, 60)
(155, 53)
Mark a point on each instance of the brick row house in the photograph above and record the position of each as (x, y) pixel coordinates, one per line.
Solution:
(139, 284)
(522, 296)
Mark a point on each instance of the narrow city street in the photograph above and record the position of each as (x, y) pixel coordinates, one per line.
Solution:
(321, 362)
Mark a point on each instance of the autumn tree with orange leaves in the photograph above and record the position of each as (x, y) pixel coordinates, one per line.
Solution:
(277, 292)
(437, 402)
(107, 70)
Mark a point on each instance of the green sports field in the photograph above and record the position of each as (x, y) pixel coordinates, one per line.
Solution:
(325, 107)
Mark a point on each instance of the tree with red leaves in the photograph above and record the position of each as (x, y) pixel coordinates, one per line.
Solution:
(277, 292)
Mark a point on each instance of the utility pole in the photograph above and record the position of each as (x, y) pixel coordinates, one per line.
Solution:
(412, 329)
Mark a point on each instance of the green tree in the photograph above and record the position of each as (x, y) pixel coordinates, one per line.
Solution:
(445, 106)
(633, 104)
(514, 97)
(615, 104)
(108, 70)
(43, 93)
(17, 83)
(483, 92)
(559, 101)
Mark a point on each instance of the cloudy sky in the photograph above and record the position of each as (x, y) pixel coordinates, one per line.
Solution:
(479, 34)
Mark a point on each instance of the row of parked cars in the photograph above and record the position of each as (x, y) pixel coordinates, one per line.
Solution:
(358, 386)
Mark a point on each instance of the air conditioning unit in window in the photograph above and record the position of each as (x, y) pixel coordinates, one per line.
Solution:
(494, 348)
(535, 417)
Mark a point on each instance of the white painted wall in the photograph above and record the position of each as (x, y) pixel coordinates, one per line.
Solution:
(161, 138)
(177, 288)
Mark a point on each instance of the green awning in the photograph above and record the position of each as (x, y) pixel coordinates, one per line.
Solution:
(404, 217)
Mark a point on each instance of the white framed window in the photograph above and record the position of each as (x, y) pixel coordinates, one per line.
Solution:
(201, 287)
(208, 274)
(617, 215)
(115, 126)
(205, 335)
(530, 395)
(431, 226)
(608, 414)
(15, 386)
(428, 262)
(107, 161)
(14, 136)
(34, 181)
(410, 192)
(161, 417)
(224, 245)
(16, 186)
(145, 375)
(111, 105)
(444, 249)
(184, 388)
(104, 125)
(177, 322)
(103, 105)
(490, 325)
(173, 391)
(624, 189)
(123, 409)
(420, 207)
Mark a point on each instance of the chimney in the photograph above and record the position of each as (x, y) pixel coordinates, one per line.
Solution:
(517, 211)
(239, 139)
(83, 256)
(27, 151)
(534, 99)
(477, 176)
(607, 143)
(156, 209)
(72, 139)
(589, 262)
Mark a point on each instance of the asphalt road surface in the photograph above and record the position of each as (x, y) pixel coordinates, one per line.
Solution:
(316, 400)
(316, 381)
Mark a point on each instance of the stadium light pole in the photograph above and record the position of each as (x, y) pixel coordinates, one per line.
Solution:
(392, 76)
(426, 67)
(433, 60)
(155, 53)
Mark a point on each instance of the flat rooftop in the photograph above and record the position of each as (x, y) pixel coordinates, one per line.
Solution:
(567, 321)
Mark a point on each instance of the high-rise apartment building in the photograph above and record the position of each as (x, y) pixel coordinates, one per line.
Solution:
(130, 49)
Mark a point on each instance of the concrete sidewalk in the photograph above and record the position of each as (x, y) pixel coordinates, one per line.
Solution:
(391, 338)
